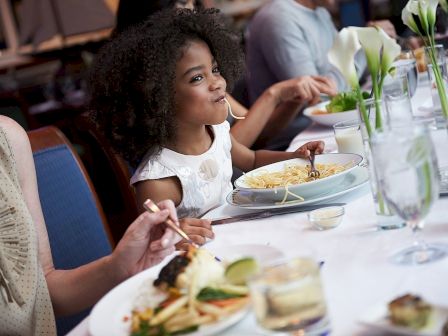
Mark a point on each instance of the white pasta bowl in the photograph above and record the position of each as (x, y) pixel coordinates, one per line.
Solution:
(305, 189)
(328, 119)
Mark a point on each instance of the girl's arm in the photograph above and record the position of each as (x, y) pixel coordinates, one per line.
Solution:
(247, 159)
(276, 107)
(74, 290)
(170, 188)
(157, 190)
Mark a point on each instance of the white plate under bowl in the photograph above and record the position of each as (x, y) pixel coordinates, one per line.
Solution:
(329, 119)
(307, 189)
(377, 319)
(352, 181)
(107, 316)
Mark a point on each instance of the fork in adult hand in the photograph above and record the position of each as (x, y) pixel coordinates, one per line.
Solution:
(313, 173)
(150, 206)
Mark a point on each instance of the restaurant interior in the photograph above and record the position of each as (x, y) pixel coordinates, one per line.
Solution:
(47, 48)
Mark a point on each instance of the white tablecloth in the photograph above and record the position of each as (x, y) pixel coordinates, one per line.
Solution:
(357, 273)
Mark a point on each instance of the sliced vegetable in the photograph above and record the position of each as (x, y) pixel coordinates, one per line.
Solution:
(208, 293)
(239, 271)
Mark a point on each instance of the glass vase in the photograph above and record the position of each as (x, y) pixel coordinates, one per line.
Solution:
(386, 219)
(439, 55)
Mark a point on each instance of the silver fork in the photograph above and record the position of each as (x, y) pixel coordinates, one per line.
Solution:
(314, 173)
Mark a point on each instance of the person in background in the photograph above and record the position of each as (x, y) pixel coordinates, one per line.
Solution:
(32, 292)
(277, 106)
(158, 95)
(289, 38)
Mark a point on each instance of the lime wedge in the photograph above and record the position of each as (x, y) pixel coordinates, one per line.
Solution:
(240, 270)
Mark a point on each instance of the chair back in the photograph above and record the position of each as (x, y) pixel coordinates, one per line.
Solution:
(110, 174)
(74, 218)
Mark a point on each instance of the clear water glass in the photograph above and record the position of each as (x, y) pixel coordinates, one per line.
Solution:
(397, 97)
(407, 64)
(406, 168)
(288, 297)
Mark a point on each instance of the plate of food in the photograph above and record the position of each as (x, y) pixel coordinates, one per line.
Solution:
(288, 180)
(407, 315)
(341, 107)
(352, 181)
(193, 294)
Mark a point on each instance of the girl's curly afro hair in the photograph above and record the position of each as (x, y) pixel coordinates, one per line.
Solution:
(132, 80)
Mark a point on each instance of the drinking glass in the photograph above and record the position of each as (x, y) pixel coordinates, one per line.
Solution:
(407, 64)
(406, 168)
(348, 137)
(398, 99)
(287, 296)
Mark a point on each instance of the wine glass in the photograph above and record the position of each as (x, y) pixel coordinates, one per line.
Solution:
(287, 296)
(405, 162)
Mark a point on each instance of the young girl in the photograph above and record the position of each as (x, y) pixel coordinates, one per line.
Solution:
(159, 94)
(273, 112)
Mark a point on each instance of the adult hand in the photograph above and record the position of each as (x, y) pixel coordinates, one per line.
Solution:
(386, 25)
(197, 229)
(146, 242)
(326, 85)
(303, 89)
(304, 151)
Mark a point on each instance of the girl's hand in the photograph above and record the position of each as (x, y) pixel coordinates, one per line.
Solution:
(304, 151)
(197, 229)
(145, 243)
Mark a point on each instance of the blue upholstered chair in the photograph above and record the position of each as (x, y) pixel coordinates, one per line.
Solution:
(73, 215)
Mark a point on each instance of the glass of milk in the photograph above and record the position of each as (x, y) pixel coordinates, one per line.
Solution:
(348, 137)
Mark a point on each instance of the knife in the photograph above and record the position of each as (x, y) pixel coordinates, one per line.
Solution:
(270, 213)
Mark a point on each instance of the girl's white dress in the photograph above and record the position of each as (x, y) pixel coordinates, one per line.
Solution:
(205, 178)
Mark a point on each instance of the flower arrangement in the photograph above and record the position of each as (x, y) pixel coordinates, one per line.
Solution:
(380, 51)
(420, 17)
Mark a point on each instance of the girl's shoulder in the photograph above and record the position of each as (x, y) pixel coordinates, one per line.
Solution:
(151, 168)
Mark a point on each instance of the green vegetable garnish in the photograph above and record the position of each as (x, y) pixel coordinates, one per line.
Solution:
(344, 101)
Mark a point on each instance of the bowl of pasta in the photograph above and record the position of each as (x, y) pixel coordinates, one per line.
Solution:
(288, 181)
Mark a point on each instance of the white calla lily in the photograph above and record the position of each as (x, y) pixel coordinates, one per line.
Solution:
(391, 50)
(407, 16)
(426, 12)
(371, 43)
(444, 4)
(431, 12)
(342, 55)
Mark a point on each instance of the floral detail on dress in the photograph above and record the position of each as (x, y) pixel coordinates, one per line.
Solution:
(208, 170)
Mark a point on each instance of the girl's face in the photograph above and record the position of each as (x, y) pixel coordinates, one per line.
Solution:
(199, 87)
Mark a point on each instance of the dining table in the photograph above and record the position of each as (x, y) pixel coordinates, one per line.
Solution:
(357, 274)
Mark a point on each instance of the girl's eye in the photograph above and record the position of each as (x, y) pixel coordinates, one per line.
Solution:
(196, 78)
(216, 70)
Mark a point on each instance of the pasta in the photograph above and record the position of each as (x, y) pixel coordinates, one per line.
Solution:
(292, 174)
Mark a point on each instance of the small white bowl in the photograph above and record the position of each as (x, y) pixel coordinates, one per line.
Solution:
(326, 218)
(329, 119)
